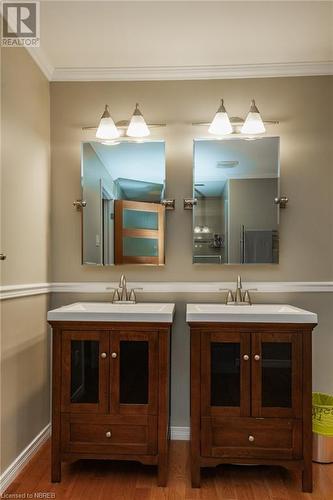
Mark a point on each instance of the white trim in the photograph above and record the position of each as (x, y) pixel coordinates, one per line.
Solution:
(180, 433)
(42, 62)
(23, 290)
(263, 70)
(21, 461)
(26, 290)
(195, 286)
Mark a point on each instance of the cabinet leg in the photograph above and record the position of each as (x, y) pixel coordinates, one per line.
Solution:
(162, 470)
(195, 473)
(307, 481)
(55, 471)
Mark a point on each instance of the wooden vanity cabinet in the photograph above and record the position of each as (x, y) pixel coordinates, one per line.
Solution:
(110, 396)
(251, 396)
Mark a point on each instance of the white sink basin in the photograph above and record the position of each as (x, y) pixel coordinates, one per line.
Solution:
(256, 313)
(105, 311)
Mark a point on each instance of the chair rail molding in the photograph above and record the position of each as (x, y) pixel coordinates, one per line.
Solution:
(23, 290)
(27, 289)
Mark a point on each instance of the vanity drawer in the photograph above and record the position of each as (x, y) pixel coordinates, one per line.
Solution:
(251, 437)
(109, 434)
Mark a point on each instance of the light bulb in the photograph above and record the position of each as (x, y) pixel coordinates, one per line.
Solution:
(107, 128)
(253, 123)
(221, 124)
(137, 126)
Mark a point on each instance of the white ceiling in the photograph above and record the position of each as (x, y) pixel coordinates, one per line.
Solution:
(144, 161)
(96, 40)
(257, 159)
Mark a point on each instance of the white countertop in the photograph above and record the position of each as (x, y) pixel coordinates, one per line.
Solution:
(255, 313)
(106, 311)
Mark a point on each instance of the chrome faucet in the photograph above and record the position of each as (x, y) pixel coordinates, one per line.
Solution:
(121, 295)
(239, 297)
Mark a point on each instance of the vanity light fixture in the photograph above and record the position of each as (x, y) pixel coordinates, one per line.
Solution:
(107, 129)
(221, 123)
(137, 126)
(253, 123)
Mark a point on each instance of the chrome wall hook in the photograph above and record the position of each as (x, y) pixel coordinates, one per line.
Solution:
(282, 201)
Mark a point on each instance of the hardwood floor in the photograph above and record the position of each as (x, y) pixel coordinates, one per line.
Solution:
(104, 480)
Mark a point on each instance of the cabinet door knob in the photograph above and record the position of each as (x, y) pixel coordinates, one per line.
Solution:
(114, 355)
(103, 355)
(108, 434)
(246, 357)
(256, 357)
(251, 439)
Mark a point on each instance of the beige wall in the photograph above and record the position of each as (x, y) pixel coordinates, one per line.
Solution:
(301, 105)
(25, 228)
(25, 197)
(25, 370)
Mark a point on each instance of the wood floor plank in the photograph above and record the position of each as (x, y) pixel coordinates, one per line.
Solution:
(106, 480)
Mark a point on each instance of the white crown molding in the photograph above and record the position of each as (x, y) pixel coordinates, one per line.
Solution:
(265, 70)
(8, 476)
(25, 290)
(41, 60)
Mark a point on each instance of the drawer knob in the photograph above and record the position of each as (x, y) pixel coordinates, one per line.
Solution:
(251, 439)
(108, 434)
(103, 355)
(114, 355)
(246, 357)
(256, 357)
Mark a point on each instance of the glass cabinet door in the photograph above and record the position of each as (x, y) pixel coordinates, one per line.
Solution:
(276, 374)
(139, 232)
(134, 359)
(226, 373)
(85, 371)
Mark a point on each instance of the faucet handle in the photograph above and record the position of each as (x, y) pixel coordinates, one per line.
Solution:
(132, 295)
(116, 296)
(230, 297)
(247, 297)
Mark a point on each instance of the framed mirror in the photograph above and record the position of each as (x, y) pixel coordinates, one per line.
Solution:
(236, 220)
(123, 185)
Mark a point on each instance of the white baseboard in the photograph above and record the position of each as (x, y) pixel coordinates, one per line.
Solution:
(8, 476)
(180, 433)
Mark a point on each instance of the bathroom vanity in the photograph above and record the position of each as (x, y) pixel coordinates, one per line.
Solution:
(251, 386)
(111, 376)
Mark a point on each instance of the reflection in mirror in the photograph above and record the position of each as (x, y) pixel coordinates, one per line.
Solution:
(235, 220)
(123, 185)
